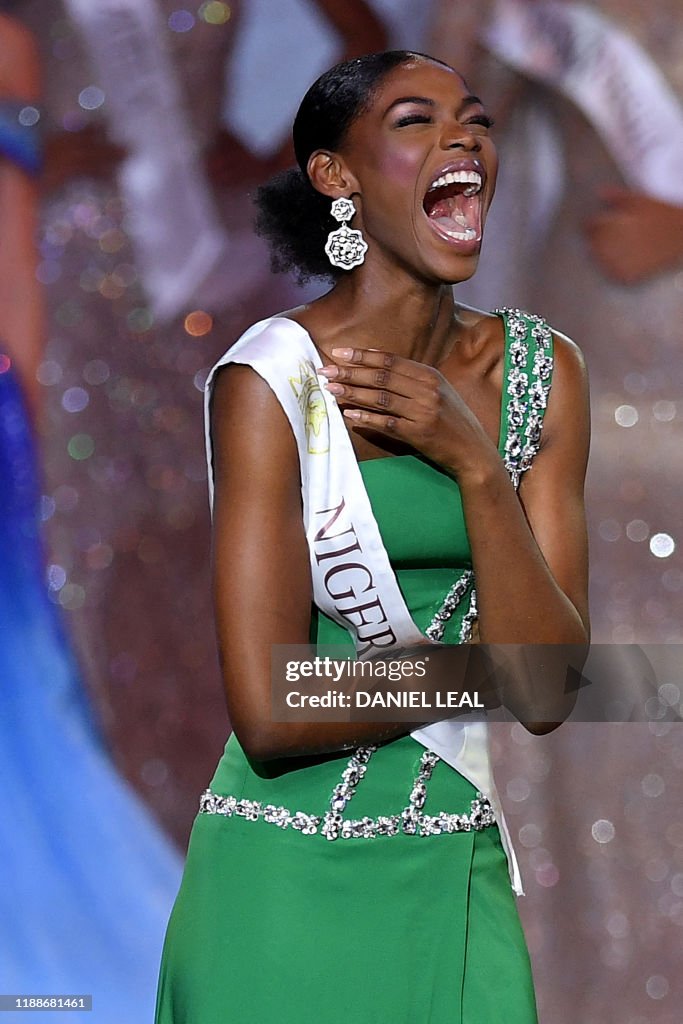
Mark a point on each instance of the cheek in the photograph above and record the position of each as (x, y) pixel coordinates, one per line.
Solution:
(399, 167)
(391, 192)
(394, 173)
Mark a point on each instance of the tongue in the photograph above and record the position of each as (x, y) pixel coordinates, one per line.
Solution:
(457, 213)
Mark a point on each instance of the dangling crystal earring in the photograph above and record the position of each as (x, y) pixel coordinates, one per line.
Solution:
(345, 248)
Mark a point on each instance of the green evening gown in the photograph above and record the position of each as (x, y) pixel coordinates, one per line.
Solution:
(273, 925)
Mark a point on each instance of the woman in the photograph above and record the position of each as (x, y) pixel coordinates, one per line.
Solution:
(445, 406)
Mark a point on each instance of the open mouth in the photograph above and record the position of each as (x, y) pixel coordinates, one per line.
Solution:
(453, 204)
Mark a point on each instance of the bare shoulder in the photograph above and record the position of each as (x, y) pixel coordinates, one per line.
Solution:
(238, 385)
(242, 398)
(250, 432)
(568, 354)
(568, 413)
(570, 375)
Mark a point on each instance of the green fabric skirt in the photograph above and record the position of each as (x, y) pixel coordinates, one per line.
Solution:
(272, 925)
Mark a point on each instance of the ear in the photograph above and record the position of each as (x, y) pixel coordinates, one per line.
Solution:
(329, 174)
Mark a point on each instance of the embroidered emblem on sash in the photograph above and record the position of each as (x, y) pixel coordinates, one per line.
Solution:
(311, 401)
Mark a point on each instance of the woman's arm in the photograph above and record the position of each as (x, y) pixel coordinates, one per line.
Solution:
(529, 553)
(261, 573)
(635, 237)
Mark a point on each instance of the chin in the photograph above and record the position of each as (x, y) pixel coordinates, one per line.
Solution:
(452, 271)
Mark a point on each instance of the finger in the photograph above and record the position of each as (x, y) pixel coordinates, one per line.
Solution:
(607, 224)
(372, 377)
(377, 358)
(369, 398)
(614, 195)
(390, 425)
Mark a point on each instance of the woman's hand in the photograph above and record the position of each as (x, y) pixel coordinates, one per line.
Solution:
(635, 237)
(407, 400)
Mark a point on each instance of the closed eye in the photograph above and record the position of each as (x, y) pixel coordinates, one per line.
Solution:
(482, 119)
(413, 119)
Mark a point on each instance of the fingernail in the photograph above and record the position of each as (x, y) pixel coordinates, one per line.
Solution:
(342, 353)
(329, 371)
(352, 414)
(335, 389)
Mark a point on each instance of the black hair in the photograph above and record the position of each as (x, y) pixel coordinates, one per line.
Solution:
(292, 215)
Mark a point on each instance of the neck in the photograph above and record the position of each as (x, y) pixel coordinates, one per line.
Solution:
(394, 311)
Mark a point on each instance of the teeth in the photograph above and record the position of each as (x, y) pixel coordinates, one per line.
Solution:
(472, 178)
(463, 236)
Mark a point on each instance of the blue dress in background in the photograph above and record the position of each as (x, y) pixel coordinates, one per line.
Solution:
(87, 877)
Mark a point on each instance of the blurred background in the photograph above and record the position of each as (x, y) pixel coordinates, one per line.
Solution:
(132, 134)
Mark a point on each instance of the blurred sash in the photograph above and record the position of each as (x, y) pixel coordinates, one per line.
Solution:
(173, 224)
(608, 76)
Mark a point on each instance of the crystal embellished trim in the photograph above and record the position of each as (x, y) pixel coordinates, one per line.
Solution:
(526, 403)
(436, 627)
(528, 387)
(411, 821)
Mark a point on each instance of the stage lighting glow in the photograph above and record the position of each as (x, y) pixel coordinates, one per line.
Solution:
(80, 446)
(626, 415)
(662, 545)
(91, 97)
(214, 12)
(181, 21)
(28, 116)
(198, 323)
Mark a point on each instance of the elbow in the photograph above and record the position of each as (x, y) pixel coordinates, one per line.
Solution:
(261, 743)
(541, 728)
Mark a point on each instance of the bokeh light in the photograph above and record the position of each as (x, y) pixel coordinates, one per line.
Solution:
(81, 446)
(198, 323)
(91, 98)
(603, 831)
(626, 415)
(28, 116)
(214, 12)
(181, 21)
(662, 545)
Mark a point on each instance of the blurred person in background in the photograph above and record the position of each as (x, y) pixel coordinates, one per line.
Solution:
(128, 527)
(587, 228)
(86, 875)
(591, 205)
(22, 312)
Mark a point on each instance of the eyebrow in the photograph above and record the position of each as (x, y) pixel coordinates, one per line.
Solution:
(424, 101)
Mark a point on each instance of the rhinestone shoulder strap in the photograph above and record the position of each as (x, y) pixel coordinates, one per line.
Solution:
(526, 386)
(527, 377)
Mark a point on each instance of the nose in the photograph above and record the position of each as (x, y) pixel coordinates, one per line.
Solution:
(460, 136)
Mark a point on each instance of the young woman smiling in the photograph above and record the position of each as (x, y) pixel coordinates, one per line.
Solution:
(386, 436)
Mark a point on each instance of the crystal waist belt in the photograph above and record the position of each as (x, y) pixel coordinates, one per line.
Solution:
(411, 820)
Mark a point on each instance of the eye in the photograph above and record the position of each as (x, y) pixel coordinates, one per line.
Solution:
(412, 119)
(483, 119)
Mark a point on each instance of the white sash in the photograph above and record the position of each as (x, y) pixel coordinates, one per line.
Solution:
(353, 581)
(174, 225)
(608, 76)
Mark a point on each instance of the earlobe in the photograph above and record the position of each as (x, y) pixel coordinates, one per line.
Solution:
(329, 175)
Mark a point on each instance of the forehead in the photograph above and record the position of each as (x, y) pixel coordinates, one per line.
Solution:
(418, 78)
